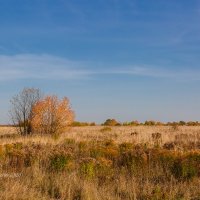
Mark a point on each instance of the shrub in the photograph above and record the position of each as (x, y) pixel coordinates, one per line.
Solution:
(111, 122)
(125, 147)
(87, 168)
(169, 145)
(105, 129)
(83, 148)
(8, 148)
(18, 145)
(111, 153)
(187, 167)
(164, 158)
(78, 124)
(184, 170)
(134, 162)
(96, 152)
(104, 169)
(150, 123)
(134, 123)
(51, 115)
(59, 162)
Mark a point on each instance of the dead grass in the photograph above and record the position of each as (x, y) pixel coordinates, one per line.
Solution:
(87, 163)
(122, 134)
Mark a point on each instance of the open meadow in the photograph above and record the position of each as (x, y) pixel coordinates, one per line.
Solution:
(97, 163)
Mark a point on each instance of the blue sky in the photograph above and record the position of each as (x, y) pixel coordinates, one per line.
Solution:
(122, 59)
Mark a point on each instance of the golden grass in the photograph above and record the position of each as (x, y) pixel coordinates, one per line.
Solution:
(137, 135)
(88, 163)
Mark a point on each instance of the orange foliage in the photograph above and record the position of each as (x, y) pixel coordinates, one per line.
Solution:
(51, 115)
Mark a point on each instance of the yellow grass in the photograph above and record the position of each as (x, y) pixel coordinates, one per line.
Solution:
(118, 134)
(116, 163)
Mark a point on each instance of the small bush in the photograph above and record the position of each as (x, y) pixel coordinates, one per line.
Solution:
(105, 129)
(111, 122)
(96, 152)
(59, 162)
(8, 148)
(187, 167)
(18, 145)
(104, 169)
(184, 170)
(83, 146)
(125, 147)
(134, 162)
(169, 145)
(87, 168)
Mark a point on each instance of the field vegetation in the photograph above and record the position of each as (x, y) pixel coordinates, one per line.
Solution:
(100, 162)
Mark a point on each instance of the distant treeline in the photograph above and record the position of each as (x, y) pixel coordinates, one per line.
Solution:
(6, 125)
(76, 123)
(113, 122)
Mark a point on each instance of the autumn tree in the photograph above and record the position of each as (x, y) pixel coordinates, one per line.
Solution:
(21, 110)
(51, 115)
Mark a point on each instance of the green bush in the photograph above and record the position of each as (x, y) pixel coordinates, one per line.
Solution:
(133, 162)
(96, 152)
(124, 147)
(87, 168)
(187, 167)
(59, 162)
(183, 170)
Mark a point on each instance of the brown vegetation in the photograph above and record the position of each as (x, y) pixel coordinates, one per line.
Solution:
(51, 115)
(93, 163)
(31, 113)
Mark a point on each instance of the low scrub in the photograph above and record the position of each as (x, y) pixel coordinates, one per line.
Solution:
(100, 170)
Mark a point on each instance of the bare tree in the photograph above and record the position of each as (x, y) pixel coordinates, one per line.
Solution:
(21, 111)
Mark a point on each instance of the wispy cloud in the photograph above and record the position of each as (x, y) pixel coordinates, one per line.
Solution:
(28, 66)
(184, 74)
(48, 67)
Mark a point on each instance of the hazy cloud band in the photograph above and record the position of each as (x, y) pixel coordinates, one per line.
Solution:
(30, 66)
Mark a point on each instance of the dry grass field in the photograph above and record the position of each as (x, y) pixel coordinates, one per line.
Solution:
(183, 135)
(97, 163)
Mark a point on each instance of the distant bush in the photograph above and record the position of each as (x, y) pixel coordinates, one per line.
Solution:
(150, 123)
(78, 124)
(111, 122)
(134, 123)
(191, 123)
(182, 123)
